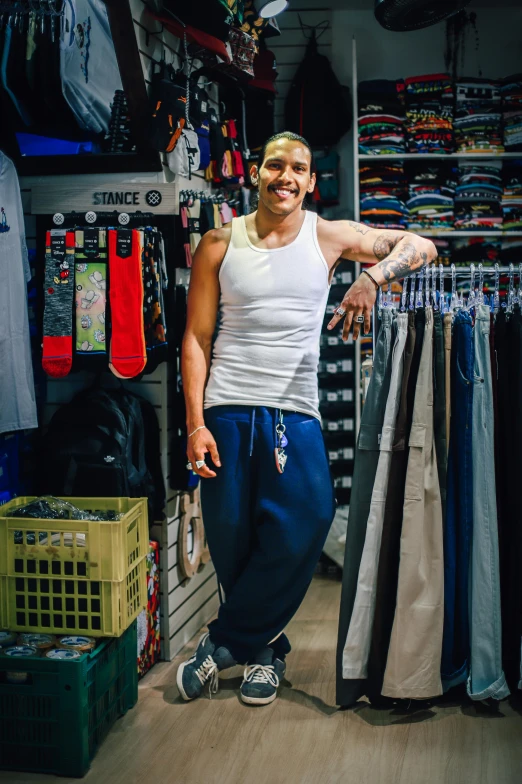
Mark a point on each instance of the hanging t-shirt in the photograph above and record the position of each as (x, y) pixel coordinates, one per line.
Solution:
(17, 400)
(88, 65)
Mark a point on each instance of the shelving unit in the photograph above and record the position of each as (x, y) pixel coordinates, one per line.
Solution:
(481, 156)
(452, 234)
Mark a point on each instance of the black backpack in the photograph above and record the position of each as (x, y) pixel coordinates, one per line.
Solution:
(317, 106)
(104, 443)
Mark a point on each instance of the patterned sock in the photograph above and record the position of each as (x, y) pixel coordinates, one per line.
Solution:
(90, 278)
(153, 307)
(59, 287)
(128, 354)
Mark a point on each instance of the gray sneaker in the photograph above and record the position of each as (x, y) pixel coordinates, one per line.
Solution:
(262, 678)
(202, 667)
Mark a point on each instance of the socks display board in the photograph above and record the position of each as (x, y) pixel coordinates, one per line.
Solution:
(104, 300)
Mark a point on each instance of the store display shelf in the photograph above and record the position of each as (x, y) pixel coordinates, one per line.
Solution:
(451, 234)
(438, 155)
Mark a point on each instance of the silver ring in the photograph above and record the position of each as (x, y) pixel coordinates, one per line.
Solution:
(340, 312)
(189, 466)
(200, 463)
(359, 319)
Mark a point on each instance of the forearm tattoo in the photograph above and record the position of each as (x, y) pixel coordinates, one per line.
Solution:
(403, 261)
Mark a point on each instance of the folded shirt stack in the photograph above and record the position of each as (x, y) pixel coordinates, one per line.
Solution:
(383, 190)
(381, 117)
(511, 91)
(431, 192)
(429, 113)
(478, 196)
(478, 116)
(512, 196)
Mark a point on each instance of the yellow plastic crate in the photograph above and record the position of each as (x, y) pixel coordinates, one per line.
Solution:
(78, 549)
(63, 605)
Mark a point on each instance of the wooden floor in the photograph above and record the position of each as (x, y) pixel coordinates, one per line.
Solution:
(302, 738)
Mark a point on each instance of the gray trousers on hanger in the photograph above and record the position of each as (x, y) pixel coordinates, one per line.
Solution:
(357, 645)
(349, 691)
(414, 655)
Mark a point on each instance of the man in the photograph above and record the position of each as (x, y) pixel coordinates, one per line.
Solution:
(266, 490)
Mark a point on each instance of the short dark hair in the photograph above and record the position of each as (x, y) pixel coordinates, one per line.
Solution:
(292, 137)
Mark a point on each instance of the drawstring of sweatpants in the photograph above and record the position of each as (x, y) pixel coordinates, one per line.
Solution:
(252, 431)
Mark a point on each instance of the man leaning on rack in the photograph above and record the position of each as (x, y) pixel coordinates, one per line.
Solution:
(254, 432)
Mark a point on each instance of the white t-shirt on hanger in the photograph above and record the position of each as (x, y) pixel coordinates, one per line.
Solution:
(88, 65)
(17, 400)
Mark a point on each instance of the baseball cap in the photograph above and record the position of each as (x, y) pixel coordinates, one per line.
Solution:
(265, 72)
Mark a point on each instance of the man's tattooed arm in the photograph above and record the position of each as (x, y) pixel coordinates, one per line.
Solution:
(397, 253)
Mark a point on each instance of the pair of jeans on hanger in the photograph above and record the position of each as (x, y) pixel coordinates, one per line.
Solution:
(458, 524)
(486, 678)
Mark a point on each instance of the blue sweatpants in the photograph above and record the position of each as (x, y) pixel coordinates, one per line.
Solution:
(265, 530)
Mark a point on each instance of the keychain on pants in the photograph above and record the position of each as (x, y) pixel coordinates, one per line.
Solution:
(280, 455)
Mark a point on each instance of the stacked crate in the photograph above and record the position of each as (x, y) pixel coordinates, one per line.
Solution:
(70, 577)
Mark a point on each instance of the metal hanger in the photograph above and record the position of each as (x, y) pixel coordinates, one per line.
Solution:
(511, 290)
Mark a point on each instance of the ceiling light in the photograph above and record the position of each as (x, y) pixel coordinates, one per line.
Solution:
(268, 8)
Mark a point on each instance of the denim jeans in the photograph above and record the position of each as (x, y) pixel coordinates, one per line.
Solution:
(459, 507)
(486, 678)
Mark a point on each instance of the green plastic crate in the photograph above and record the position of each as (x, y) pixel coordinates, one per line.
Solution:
(57, 720)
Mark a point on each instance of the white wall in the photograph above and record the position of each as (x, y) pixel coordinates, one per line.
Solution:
(382, 54)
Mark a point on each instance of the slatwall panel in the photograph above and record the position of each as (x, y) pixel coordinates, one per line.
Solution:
(154, 45)
(185, 605)
(289, 49)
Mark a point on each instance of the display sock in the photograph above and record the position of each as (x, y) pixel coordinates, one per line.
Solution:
(59, 286)
(153, 309)
(128, 354)
(90, 278)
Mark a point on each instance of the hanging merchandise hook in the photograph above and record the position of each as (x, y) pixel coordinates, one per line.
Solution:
(520, 284)
(389, 297)
(412, 291)
(427, 286)
(443, 307)
(434, 287)
(380, 303)
(496, 295)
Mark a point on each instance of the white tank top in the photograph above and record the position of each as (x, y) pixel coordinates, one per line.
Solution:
(272, 306)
